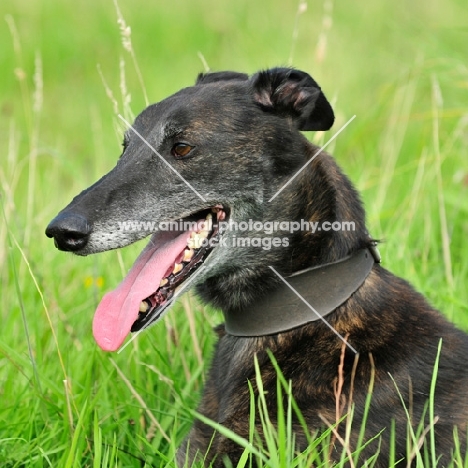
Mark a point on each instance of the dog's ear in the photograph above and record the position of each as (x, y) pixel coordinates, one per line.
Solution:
(204, 78)
(293, 93)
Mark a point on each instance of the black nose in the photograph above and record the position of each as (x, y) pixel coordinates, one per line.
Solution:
(70, 231)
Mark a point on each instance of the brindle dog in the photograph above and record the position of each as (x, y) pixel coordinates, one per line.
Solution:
(219, 152)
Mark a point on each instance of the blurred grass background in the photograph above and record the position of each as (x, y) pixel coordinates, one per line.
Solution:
(401, 68)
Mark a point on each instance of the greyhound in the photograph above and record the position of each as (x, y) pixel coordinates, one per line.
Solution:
(226, 157)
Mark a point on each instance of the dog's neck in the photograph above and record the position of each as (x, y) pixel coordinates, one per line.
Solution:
(324, 194)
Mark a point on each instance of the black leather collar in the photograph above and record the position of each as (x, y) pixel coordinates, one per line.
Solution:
(306, 296)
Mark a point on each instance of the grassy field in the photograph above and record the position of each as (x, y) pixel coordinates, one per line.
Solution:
(399, 67)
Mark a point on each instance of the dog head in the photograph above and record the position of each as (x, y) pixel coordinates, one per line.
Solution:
(210, 153)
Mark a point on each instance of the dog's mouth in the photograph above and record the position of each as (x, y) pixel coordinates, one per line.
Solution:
(163, 269)
(199, 245)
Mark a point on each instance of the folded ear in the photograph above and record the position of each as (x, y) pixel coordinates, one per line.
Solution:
(204, 78)
(293, 93)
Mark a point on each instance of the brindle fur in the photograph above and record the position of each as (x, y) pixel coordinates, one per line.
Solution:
(248, 144)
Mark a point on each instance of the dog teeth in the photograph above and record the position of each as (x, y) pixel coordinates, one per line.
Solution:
(195, 241)
(144, 306)
(203, 234)
(191, 244)
(197, 237)
(163, 282)
(205, 227)
(177, 268)
(188, 255)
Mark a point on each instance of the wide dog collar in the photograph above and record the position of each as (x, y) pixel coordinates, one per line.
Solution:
(307, 296)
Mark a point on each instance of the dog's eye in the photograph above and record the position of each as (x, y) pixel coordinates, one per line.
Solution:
(181, 150)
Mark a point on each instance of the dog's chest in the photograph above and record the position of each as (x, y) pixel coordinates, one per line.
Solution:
(233, 366)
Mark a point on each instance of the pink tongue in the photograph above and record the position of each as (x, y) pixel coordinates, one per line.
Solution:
(118, 309)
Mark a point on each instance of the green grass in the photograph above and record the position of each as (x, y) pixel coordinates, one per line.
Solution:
(400, 68)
